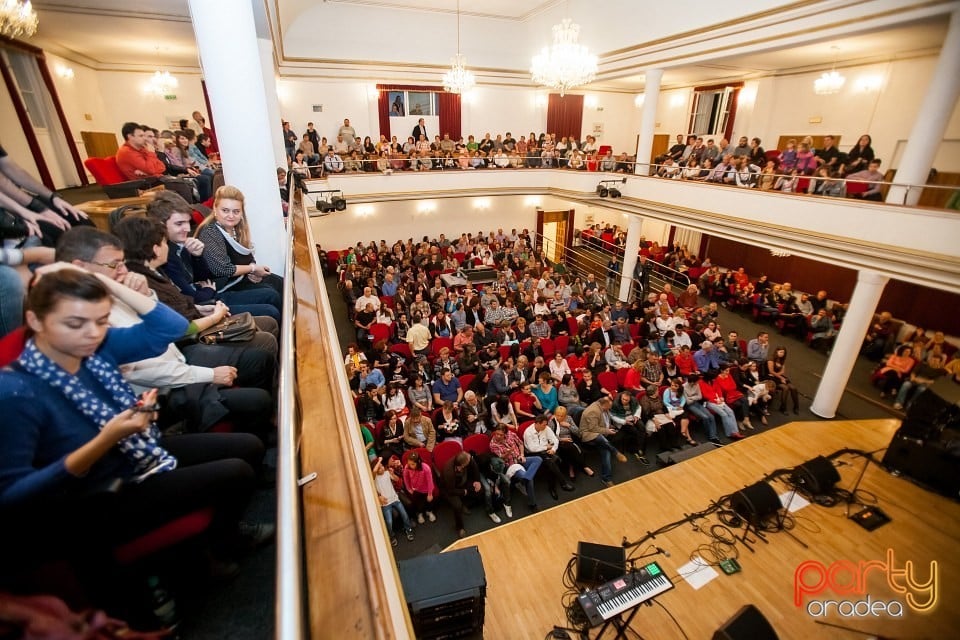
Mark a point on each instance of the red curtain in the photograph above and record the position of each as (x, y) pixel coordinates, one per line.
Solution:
(728, 132)
(449, 104)
(565, 116)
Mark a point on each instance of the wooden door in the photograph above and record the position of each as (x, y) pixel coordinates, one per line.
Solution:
(555, 231)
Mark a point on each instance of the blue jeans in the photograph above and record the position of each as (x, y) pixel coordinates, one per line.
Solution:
(530, 467)
(11, 299)
(260, 301)
(727, 417)
(606, 450)
(709, 423)
(401, 511)
(905, 389)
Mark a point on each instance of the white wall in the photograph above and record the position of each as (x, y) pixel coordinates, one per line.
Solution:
(673, 112)
(103, 100)
(353, 99)
(617, 114)
(500, 109)
(393, 221)
(785, 105)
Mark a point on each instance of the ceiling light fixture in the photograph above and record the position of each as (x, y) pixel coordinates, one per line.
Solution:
(829, 82)
(566, 64)
(161, 82)
(17, 18)
(458, 79)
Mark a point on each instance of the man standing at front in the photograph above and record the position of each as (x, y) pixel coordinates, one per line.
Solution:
(348, 132)
(420, 130)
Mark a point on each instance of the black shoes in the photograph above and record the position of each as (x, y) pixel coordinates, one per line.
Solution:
(566, 486)
(254, 534)
(553, 493)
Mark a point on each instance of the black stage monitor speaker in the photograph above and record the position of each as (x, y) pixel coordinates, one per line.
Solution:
(746, 624)
(756, 502)
(598, 563)
(816, 476)
(445, 593)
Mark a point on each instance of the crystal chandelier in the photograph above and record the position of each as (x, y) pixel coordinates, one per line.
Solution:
(162, 83)
(17, 18)
(567, 63)
(828, 83)
(458, 79)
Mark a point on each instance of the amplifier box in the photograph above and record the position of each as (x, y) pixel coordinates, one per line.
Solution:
(673, 457)
(445, 593)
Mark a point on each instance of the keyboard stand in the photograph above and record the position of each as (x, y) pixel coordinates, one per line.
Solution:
(620, 625)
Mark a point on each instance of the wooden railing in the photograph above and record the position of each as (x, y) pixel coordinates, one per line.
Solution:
(352, 586)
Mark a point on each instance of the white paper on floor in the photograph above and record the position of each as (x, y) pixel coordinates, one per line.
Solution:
(697, 572)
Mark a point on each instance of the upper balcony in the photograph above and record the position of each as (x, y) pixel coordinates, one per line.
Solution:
(913, 244)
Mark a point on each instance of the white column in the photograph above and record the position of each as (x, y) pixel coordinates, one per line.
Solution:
(230, 56)
(273, 102)
(863, 304)
(931, 121)
(648, 121)
(630, 250)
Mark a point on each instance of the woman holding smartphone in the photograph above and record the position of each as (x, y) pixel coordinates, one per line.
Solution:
(82, 466)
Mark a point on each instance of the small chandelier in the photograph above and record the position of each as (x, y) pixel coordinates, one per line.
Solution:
(458, 79)
(17, 18)
(567, 63)
(830, 82)
(162, 83)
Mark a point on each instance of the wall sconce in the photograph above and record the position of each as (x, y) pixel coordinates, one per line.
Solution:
(481, 204)
(638, 101)
(63, 71)
(748, 95)
(532, 201)
(540, 100)
(678, 100)
(372, 92)
(591, 102)
(427, 206)
(868, 83)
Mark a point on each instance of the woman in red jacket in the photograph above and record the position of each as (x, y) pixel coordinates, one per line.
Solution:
(733, 397)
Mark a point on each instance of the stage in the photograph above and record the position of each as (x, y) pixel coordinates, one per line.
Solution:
(524, 560)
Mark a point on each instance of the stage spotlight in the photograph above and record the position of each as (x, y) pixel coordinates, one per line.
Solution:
(605, 191)
(329, 200)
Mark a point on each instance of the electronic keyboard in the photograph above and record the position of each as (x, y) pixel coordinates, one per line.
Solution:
(623, 593)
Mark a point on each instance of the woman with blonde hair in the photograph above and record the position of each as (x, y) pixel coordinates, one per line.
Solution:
(228, 250)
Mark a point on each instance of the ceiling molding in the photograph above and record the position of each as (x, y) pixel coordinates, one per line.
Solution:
(524, 17)
(110, 12)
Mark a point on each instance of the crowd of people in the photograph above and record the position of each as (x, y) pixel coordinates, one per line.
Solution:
(798, 167)
(314, 155)
(540, 362)
(129, 401)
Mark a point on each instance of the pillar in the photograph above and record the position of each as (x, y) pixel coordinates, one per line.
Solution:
(273, 102)
(931, 121)
(230, 56)
(846, 347)
(648, 120)
(630, 251)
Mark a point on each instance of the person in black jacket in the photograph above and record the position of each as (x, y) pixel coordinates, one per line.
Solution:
(461, 482)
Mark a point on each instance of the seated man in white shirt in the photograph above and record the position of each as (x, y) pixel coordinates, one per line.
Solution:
(540, 440)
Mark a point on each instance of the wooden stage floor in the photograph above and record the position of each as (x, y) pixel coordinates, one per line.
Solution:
(525, 560)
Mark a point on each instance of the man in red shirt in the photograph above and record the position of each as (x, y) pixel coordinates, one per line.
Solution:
(134, 159)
